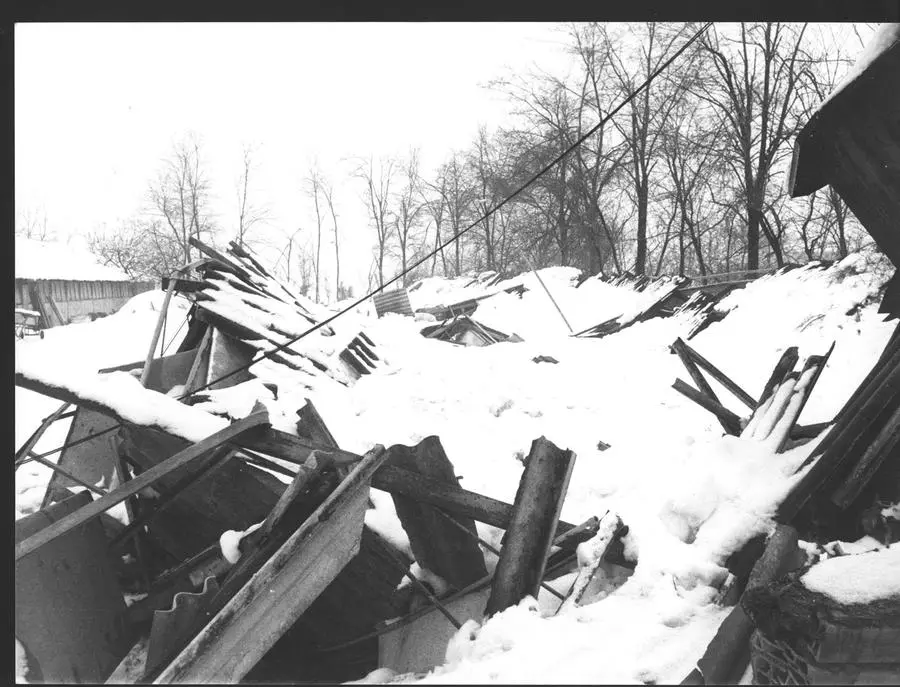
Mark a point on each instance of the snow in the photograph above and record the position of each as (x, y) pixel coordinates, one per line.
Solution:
(21, 664)
(689, 495)
(857, 579)
(53, 260)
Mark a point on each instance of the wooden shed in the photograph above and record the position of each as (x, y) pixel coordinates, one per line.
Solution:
(65, 283)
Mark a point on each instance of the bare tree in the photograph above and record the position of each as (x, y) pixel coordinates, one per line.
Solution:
(249, 214)
(377, 197)
(32, 224)
(134, 249)
(649, 114)
(179, 197)
(409, 210)
(328, 192)
(754, 91)
(314, 184)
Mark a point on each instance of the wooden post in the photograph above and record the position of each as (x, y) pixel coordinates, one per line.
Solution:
(528, 539)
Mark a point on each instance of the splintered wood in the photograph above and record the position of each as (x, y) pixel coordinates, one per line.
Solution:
(590, 556)
(774, 417)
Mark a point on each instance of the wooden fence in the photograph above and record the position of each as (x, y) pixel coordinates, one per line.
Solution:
(60, 301)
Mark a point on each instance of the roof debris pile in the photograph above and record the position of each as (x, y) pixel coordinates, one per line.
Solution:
(238, 534)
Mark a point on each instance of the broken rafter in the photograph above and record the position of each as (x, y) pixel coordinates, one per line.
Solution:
(145, 479)
(729, 421)
(681, 349)
(720, 377)
(856, 426)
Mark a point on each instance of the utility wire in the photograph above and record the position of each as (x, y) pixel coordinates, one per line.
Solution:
(442, 246)
(460, 233)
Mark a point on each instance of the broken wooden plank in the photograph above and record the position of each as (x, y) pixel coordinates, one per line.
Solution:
(455, 500)
(247, 627)
(182, 285)
(783, 367)
(140, 482)
(681, 349)
(721, 377)
(436, 545)
(885, 445)
(311, 426)
(730, 421)
(529, 536)
(197, 375)
(218, 458)
(591, 555)
(234, 496)
(855, 427)
(163, 315)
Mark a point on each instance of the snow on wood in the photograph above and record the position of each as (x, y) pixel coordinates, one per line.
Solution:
(857, 579)
(117, 394)
(590, 555)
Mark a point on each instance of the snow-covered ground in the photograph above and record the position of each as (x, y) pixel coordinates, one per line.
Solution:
(689, 496)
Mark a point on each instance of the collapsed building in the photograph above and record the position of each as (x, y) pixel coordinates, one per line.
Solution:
(245, 533)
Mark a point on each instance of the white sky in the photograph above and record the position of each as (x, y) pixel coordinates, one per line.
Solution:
(98, 106)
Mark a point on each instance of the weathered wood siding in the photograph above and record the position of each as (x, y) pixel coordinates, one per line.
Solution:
(79, 298)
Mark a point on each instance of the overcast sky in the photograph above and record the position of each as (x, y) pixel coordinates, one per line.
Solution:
(98, 106)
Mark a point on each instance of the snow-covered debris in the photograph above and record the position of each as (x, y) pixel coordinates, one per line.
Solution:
(689, 496)
(123, 393)
(53, 260)
(857, 579)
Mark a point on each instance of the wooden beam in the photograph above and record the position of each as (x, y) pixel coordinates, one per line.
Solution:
(722, 378)
(275, 597)
(145, 479)
(886, 444)
(529, 536)
(730, 421)
(855, 428)
(455, 500)
(783, 367)
(683, 352)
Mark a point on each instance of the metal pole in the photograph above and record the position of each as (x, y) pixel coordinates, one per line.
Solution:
(549, 295)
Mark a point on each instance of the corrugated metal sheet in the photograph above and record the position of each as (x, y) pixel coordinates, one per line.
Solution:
(393, 301)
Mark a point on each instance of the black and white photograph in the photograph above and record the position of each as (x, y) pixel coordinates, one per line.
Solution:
(463, 352)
